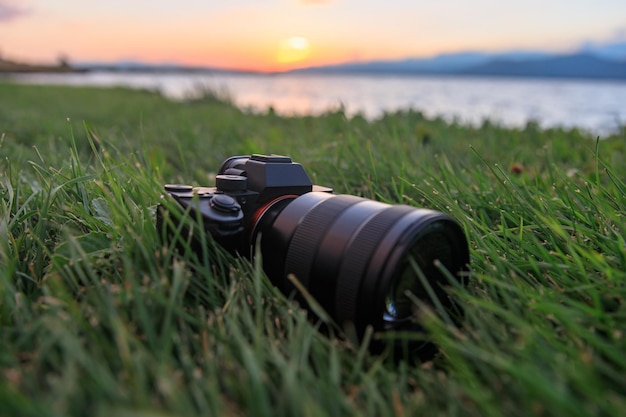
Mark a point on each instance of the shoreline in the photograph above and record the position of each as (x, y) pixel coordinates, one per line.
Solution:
(13, 67)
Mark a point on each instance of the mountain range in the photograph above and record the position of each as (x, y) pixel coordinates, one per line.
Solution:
(606, 62)
(590, 61)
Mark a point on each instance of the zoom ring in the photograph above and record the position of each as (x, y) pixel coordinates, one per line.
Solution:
(309, 234)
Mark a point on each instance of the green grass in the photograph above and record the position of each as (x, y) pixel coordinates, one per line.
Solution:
(98, 318)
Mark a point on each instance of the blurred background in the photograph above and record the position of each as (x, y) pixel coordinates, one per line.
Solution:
(557, 63)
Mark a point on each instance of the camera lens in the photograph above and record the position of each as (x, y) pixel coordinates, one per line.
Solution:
(364, 261)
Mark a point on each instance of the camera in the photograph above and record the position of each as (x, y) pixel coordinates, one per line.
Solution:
(368, 264)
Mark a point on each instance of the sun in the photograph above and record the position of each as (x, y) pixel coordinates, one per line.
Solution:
(293, 49)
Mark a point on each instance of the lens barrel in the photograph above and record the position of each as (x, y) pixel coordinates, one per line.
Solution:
(363, 260)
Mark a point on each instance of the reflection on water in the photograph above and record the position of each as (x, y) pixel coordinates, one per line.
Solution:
(596, 106)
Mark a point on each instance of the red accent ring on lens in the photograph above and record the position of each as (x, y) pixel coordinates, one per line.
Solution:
(263, 209)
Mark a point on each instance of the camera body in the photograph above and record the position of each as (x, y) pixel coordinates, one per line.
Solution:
(248, 189)
(365, 262)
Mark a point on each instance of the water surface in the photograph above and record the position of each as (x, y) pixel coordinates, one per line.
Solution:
(595, 106)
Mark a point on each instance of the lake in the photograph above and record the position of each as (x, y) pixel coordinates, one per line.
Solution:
(598, 107)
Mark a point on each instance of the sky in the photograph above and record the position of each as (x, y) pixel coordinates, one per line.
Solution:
(274, 35)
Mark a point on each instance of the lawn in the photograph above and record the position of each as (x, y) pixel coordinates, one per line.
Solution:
(99, 318)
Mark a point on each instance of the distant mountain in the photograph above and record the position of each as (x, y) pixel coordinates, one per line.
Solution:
(584, 64)
(611, 50)
(580, 65)
(440, 64)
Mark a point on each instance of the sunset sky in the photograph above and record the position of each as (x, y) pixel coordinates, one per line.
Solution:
(281, 34)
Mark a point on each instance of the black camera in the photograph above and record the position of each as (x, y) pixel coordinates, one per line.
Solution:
(365, 262)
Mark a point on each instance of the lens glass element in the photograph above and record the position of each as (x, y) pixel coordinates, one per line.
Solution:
(407, 284)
